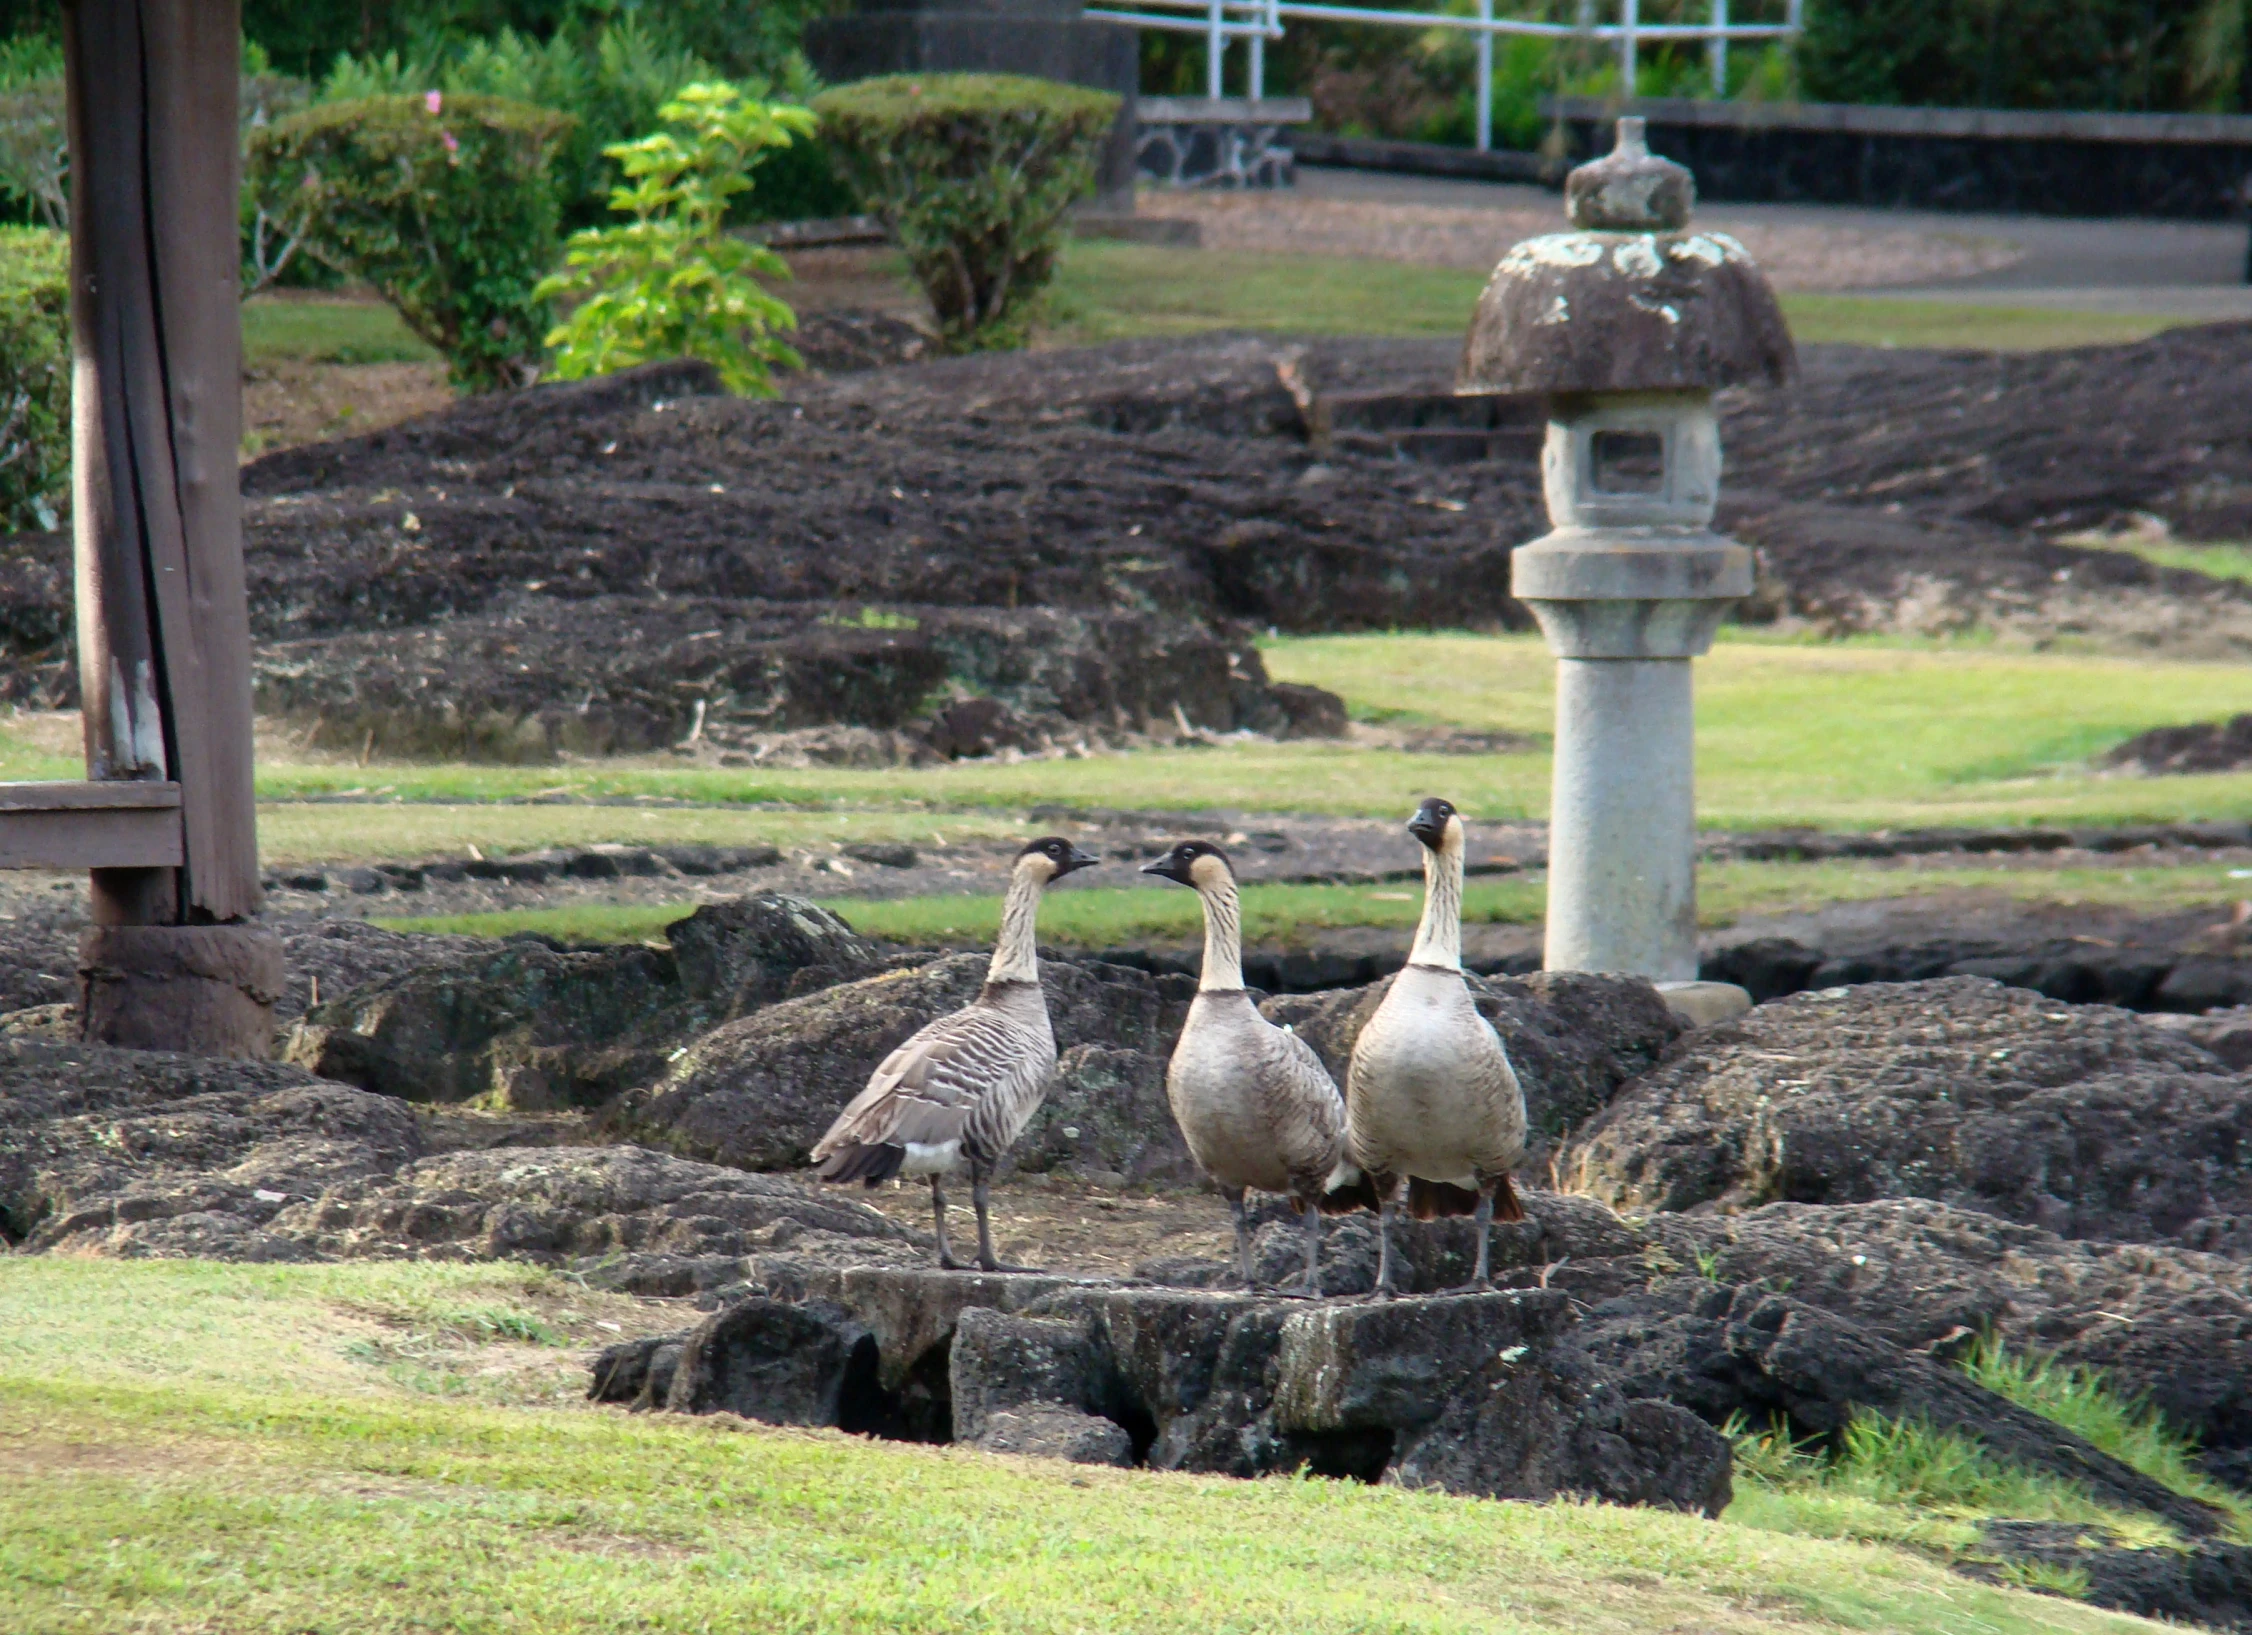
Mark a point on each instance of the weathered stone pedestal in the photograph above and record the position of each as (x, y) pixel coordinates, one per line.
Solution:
(206, 990)
(1627, 327)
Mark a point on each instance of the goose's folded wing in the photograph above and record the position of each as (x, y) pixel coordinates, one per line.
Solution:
(926, 1091)
(1304, 1108)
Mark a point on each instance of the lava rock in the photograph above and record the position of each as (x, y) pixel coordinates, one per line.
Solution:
(1001, 1364)
(746, 953)
(625, 1217)
(327, 959)
(2208, 1584)
(2206, 746)
(2168, 1324)
(972, 727)
(1045, 1431)
(779, 1363)
(538, 1026)
(1723, 1351)
(1107, 1112)
(2081, 1119)
(142, 1153)
(2226, 1032)
(882, 854)
(637, 1372)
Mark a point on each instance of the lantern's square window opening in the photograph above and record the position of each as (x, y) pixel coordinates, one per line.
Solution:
(1627, 462)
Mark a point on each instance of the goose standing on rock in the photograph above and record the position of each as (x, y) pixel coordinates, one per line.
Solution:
(957, 1095)
(1430, 1096)
(1256, 1106)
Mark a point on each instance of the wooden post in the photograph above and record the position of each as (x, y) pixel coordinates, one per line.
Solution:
(163, 625)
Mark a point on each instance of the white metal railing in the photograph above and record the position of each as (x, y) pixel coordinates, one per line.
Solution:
(1257, 21)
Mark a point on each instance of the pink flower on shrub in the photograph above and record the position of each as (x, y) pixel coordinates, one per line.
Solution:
(453, 142)
(433, 100)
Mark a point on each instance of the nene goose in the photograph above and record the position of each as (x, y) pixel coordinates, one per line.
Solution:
(1258, 1109)
(956, 1096)
(1430, 1097)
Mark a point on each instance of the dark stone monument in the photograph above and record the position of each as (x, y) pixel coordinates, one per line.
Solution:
(1047, 39)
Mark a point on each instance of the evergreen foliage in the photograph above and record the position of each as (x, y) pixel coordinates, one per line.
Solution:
(443, 204)
(972, 175)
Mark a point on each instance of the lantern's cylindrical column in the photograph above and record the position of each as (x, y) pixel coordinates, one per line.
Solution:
(1622, 881)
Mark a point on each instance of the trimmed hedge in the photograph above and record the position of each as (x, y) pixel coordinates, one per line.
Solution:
(444, 205)
(34, 374)
(972, 175)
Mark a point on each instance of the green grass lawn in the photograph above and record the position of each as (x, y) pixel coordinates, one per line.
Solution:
(376, 1448)
(1087, 915)
(344, 330)
(1862, 734)
(1106, 290)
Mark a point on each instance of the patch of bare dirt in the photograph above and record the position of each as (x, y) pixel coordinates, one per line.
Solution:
(2204, 746)
(1793, 257)
(287, 402)
(1055, 1223)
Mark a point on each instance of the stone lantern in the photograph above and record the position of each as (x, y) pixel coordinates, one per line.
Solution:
(1627, 325)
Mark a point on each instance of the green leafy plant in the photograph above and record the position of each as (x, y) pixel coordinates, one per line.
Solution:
(443, 204)
(34, 374)
(971, 174)
(671, 283)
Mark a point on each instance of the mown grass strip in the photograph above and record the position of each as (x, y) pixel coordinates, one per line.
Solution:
(150, 1486)
(1089, 916)
(1111, 291)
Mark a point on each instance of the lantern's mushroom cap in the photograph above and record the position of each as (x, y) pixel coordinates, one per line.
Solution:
(1634, 302)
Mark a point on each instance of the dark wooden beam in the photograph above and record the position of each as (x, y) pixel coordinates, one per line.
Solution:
(164, 639)
(164, 630)
(115, 825)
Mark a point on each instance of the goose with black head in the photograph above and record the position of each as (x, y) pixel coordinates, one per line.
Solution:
(1257, 1108)
(954, 1098)
(1432, 1106)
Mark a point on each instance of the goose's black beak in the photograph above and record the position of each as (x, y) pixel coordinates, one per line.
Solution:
(1429, 824)
(1076, 861)
(1169, 867)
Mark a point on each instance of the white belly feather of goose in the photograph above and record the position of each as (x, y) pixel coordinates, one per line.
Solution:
(1256, 1106)
(954, 1098)
(1432, 1106)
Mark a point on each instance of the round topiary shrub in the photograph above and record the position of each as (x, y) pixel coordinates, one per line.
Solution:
(971, 174)
(34, 374)
(444, 205)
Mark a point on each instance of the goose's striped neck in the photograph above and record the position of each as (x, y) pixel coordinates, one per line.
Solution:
(1016, 957)
(1223, 932)
(1438, 939)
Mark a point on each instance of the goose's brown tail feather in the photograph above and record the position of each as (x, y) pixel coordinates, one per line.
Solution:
(1429, 1200)
(1507, 1206)
(1362, 1191)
